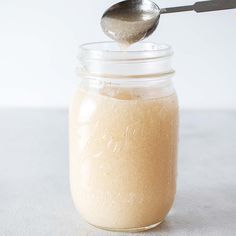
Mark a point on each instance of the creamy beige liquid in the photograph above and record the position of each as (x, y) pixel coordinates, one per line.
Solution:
(123, 158)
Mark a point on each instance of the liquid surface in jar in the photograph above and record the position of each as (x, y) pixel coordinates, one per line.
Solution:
(123, 158)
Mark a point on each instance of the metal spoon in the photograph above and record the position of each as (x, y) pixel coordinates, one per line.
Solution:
(132, 20)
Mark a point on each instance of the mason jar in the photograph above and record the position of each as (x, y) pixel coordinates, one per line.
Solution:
(123, 136)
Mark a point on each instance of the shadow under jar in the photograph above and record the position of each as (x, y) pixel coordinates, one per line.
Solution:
(123, 136)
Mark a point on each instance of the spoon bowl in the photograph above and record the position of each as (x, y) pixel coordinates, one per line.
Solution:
(130, 21)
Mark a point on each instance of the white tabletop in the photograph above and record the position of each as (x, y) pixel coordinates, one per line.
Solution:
(34, 190)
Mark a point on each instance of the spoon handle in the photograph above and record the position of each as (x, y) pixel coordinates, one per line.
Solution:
(214, 5)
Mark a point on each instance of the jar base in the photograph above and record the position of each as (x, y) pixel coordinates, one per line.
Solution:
(129, 230)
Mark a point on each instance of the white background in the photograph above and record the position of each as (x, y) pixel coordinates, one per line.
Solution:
(39, 44)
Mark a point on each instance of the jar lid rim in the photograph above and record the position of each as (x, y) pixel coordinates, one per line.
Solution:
(111, 51)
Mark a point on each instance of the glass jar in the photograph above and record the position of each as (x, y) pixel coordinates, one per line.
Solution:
(123, 136)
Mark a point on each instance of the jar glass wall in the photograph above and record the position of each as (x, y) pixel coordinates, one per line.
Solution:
(123, 136)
